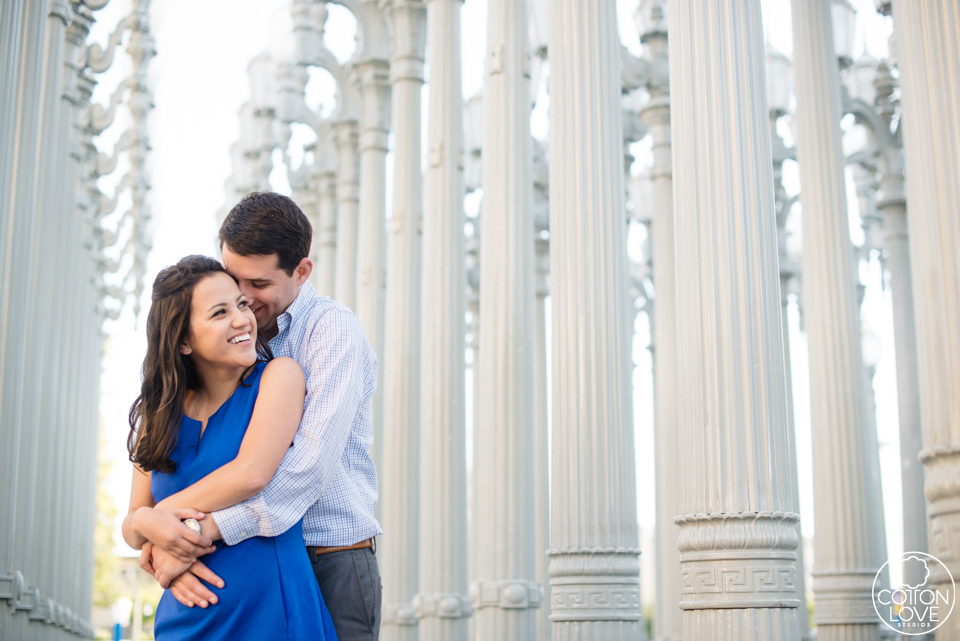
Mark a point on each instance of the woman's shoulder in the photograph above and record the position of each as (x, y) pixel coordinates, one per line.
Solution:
(281, 371)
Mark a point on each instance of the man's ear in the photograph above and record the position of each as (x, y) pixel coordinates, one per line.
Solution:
(303, 270)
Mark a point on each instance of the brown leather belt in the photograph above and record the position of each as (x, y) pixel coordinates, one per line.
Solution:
(320, 550)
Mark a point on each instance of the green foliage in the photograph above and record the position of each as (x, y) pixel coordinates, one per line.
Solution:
(106, 564)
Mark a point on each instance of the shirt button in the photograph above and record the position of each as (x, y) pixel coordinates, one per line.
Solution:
(243, 534)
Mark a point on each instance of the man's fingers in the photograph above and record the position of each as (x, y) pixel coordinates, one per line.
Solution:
(206, 574)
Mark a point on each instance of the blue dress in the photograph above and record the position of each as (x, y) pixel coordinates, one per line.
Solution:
(270, 591)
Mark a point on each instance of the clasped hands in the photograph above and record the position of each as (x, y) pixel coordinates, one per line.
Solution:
(172, 549)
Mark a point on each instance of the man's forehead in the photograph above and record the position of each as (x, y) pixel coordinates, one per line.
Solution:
(253, 267)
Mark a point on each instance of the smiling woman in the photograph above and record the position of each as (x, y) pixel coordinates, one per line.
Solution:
(187, 329)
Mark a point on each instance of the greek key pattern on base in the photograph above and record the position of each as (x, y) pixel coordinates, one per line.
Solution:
(750, 586)
(945, 539)
(843, 610)
(576, 599)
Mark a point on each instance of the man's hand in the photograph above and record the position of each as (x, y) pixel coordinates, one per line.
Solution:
(189, 590)
(209, 529)
(163, 527)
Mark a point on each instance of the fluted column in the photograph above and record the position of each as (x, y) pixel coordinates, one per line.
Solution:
(473, 306)
(43, 332)
(18, 256)
(542, 435)
(928, 38)
(594, 564)
(892, 204)
(374, 74)
(788, 271)
(63, 426)
(893, 207)
(737, 527)
(348, 193)
(442, 604)
(400, 490)
(845, 541)
(656, 115)
(505, 590)
(325, 235)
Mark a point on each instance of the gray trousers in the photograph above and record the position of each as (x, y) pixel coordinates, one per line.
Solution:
(350, 584)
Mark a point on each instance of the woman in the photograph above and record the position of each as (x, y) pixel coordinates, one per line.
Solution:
(209, 430)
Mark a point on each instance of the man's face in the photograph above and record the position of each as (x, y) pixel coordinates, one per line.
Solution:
(269, 290)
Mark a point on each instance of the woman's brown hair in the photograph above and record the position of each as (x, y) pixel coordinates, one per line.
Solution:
(167, 374)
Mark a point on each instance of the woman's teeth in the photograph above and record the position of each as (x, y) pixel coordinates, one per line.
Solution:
(239, 339)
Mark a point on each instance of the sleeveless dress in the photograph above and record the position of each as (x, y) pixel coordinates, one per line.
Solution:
(270, 591)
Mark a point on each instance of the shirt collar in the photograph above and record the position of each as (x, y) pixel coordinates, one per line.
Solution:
(298, 307)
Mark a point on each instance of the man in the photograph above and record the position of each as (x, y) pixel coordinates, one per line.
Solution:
(327, 477)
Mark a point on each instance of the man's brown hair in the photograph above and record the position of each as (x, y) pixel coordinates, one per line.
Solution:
(265, 223)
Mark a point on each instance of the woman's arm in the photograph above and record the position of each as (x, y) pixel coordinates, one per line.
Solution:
(276, 417)
(140, 497)
(145, 522)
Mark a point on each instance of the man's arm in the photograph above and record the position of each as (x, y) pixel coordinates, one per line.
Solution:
(276, 416)
(336, 360)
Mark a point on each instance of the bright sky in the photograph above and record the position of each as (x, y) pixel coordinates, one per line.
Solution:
(199, 84)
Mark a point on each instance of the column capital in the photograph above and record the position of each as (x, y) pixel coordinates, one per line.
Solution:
(407, 25)
(373, 72)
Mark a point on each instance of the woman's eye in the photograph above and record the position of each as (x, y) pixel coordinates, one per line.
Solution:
(242, 303)
(218, 312)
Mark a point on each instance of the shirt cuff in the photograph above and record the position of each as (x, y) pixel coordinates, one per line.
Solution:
(236, 524)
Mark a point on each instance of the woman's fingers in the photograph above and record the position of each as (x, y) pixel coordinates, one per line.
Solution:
(187, 513)
(194, 590)
(181, 595)
(146, 558)
(198, 540)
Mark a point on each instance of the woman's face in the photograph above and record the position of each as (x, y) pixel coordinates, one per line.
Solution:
(223, 330)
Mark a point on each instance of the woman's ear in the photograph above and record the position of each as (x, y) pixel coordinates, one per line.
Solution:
(185, 349)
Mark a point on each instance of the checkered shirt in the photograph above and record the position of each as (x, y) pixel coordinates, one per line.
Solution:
(327, 476)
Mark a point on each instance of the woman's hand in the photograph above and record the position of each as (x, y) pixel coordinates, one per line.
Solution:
(189, 590)
(163, 527)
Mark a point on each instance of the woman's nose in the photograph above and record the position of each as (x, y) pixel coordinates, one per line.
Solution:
(239, 318)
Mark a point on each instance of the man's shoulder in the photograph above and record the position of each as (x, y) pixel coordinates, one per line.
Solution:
(324, 321)
(326, 313)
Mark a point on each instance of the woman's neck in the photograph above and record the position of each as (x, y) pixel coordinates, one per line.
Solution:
(216, 384)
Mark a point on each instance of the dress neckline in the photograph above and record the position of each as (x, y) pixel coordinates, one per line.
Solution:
(202, 428)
